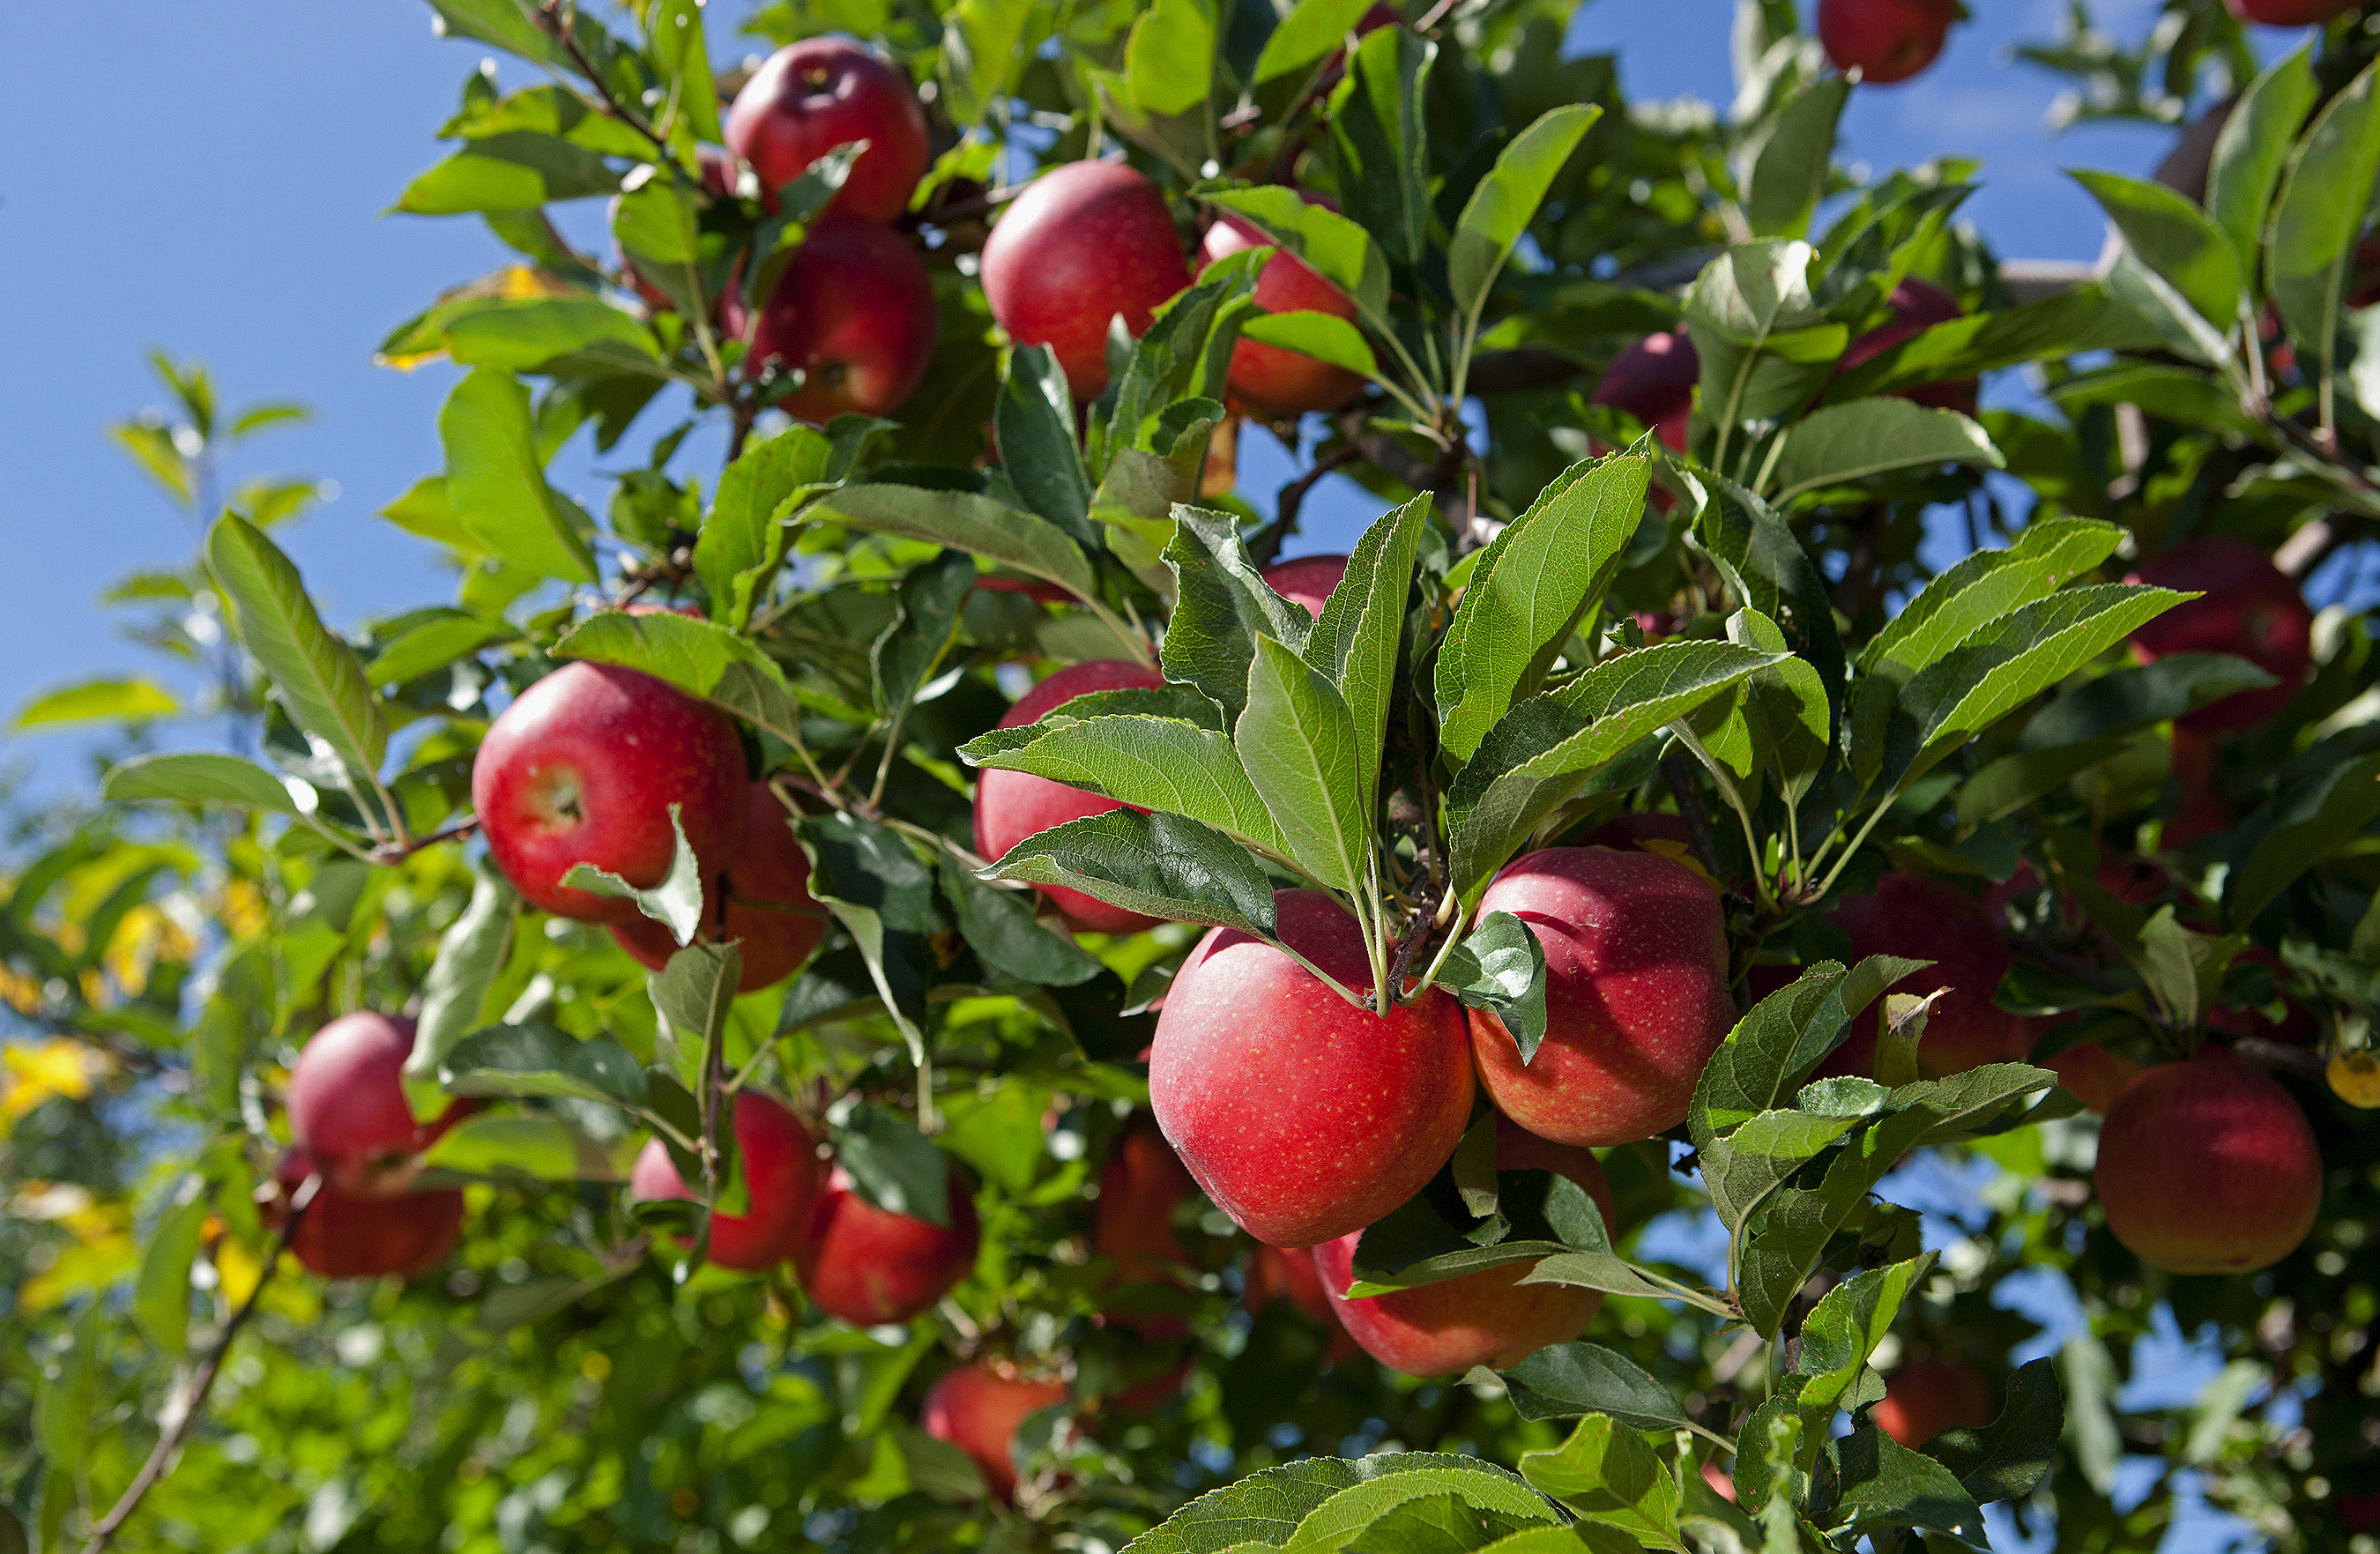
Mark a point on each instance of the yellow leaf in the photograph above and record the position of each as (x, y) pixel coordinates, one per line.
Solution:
(236, 1271)
(21, 993)
(36, 1072)
(80, 1269)
(2356, 1078)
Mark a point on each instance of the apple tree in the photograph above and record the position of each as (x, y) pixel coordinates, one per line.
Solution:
(912, 983)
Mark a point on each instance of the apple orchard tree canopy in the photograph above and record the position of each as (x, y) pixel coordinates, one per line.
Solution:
(919, 986)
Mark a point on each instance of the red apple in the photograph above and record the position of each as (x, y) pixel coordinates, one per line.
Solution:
(1636, 994)
(2249, 609)
(1920, 918)
(2091, 1070)
(1887, 41)
(808, 98)
(781, 1174)
(854, 312)
(2208, 1167)
(1086, 241)
(1629, 832)
(347, 1237)
(348, 1108)
(772, 916)
(1011, 805)
(868, 1266)
(1303, 1116)
(1276, 382)
(1485, 1318)
(2289, 13)
(978, 1409)
(1132, 1223)
(1654, 381)
(583, 767)
(1308, 581)
(1923, 1398)
(1917, 306)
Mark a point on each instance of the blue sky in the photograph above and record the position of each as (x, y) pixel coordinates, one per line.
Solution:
(214, 187)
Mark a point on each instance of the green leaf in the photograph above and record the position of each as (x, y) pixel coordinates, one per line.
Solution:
(2071, 323)
(1265, 1508)
(999, 925)
(1310, 34)
(1745, 1165)
(2136, 695)
(2181, 394)
(1382, 144)
(904, 656)
(547, 331)
(1845, 1326)
(2324, 202)
(1983, 586)
(537, 1059)
(1839, 443)
(2007, 1459)
(434, 644)
(456, 993)
(692, 995)
(1780, 1038)
(151, 448)
(198, 777)
(315, 670)
(1354, 644)
(93, 700)
(1298, 745)
(961, 520)
(497, 481)
(2168, 232)
(1506, 200)
(984, 44)
(1156, 763)
(1764, 345)
(1035, 425)
(511, 172)
(1170, 58)
(426, 511)
(674, 40)
(1500, 967)
(2350, 802)
(1485, 1501)
(892, 1165)
(1222, 606)
(1324, 336)
(676, 902)
(2253, 149)
(1337, 249)
(64, 1412)
(161, 1300)
(1756, 550)
(1789, 176)
(700, 658)
(1161, 866)
(1884, 1483)
(883, 895)
(1529, 592)
(1605, 1473)
(543, 1147)
(1566, 1380)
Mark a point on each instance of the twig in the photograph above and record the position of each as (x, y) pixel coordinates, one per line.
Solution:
(1293, 498)
(549, 17)
(2280, 1054)
(397, 852)
(202, 1382)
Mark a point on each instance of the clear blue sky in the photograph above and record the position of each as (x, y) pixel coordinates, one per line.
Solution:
(214, 186)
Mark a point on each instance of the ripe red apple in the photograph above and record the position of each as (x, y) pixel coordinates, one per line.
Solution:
(1917, 306)
(2251, 609)
(854, 312)
(1267, 378)
(978, 1409)
(583, 767)
(1629, 832)
(1888, 41)
(781, 1174)
(1086, 241)
(1654, 381)
(1307, 580)
(2208, 1167)
(347, 1237)
(1011, 805)
(1923, 1398)
(2289, 13)
(348, 1108)
(1636, 994)
(808, 98)
(1485, 1318)
(1303, 1116)
(1133, 1222)
(868, 1267)
(1921, 918)
(770, 914)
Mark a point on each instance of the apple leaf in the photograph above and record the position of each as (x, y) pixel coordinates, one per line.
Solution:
(1839, 443)
(1299, 746)
(742, 538)
(1460, 1499)
(1222, 604)
(1500, 967)
(1173, 379)
(515, 171)
(535, 1059)
(1781, 1039)
(455, 995)
(1356, 641)
(161, 1297)
(1156, 763)
(1565, 1381)
(495, 480)
(1035, 425)
(1791, 170)
(892, 1166)
(2323, 203)
(2073, 322)
(1605, 1473)
(883, 895)
(1507, 199)
(2176, 393)
(675, 42)
(112, 699)
(1845, 1326)
(676, 904)
(2253, 149)
(999, 925)
(1337, 249)
(1756, 550)
(2007, 1459)
(198, 777)
(435, 643)
(1982, 588)
(1003, 534)
(1764, 345)
(1265, 1508)
(691, 995)
(1309, 34)
(2168, 232)
(2350, 802)
(1529, 592)
(313, 668)
(1161, 865)
(701, 658)
(835, 983)
(1170, 57)
(1324, 336)
(541, 1146)
(1884, 1483)
(553, 334)
(905, 653)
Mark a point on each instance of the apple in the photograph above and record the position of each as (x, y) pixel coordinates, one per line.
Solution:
(1308, 581)
(1917, 306)
(2249, 608)
(854, 313)
(1654, 381)
(977, 1408)
(772, 916)
(1636, 994)
(2289, 13)
(1485, 1318)
(2208, 1166)
(1011, 805)
(1885, 41)
(1131, 1225)
(808, 98)
(1085, 242)
(348, 1108)
(1303, 1116)
(342, 1236)
(1923, 1398)
(1279, 383)
(2091, 1070)
(1921, 918)
(583, 767)
(870, 1265)
(1629, 832)
(779, 1155)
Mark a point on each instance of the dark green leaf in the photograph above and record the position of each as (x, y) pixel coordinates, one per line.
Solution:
(532, 1059)
(1506, 200)
(883, 895)
(1569, 1379)
(1000, 534)
(1266, 1507)
(1502, 967)
(1382, 144)
(2251, 151)
(2323, 205)
(2352, 803)
(455, 994)
(1764, 345)
(743, 539)
(700, 658)
(912, 645)
(2168, 233)
(1222, 606)
(1034, 424)
(1789, 176)
(692, 995)
(1354, 644)
(1298, 745)
(999, 925)
(892, 1165)
(1884, 1483)
(1605, 1473)
(1840, 443)
(1164, 866)
(1845, 1326)
(1158, 763)
(2007, 1459)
